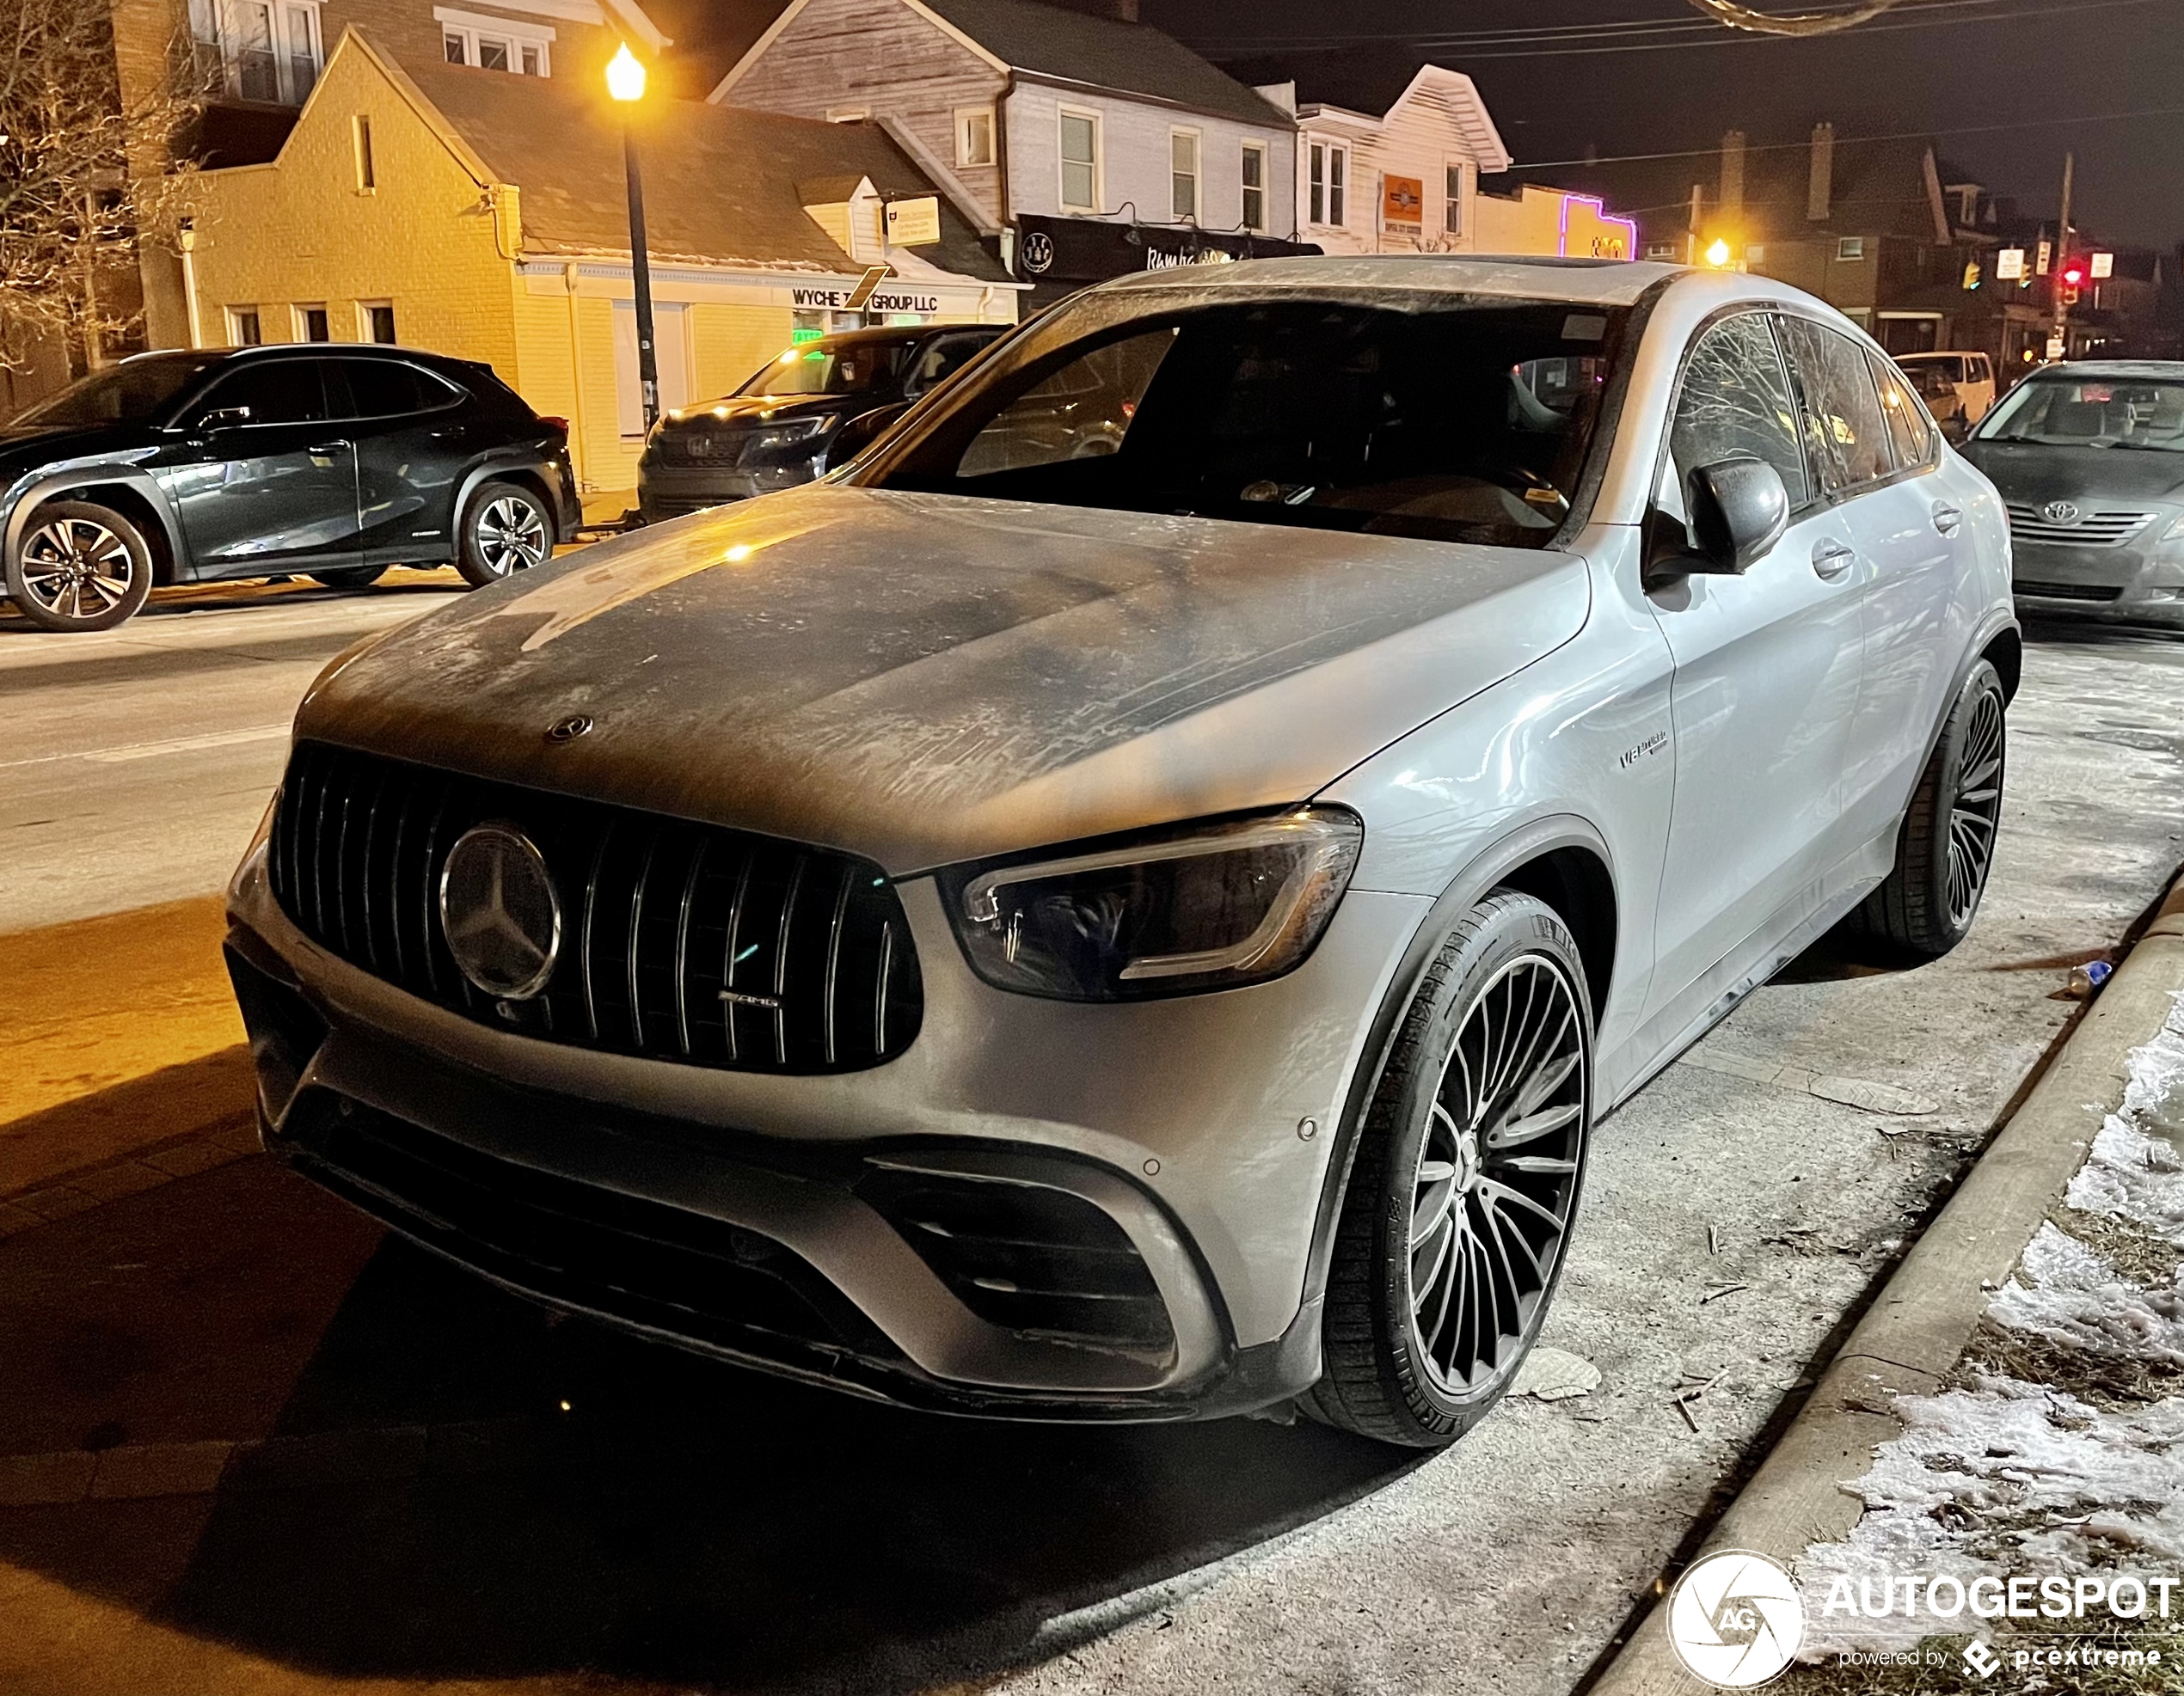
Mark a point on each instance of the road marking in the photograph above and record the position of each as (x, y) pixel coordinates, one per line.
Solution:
(152, 751)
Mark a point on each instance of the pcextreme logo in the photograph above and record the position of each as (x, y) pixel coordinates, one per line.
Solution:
(1735, 1619)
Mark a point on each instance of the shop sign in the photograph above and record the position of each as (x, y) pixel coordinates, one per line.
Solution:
(1402, 200)
(882, 300)
(914, 223)
(1086, 250)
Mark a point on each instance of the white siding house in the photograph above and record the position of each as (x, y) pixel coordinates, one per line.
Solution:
(1087, 145)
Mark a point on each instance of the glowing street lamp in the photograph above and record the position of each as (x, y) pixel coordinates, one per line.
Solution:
(1718, 254)
(626, 82)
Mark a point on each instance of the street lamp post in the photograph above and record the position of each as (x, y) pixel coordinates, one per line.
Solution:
(626, 82)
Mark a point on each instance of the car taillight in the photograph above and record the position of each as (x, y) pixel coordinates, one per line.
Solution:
(560, 424)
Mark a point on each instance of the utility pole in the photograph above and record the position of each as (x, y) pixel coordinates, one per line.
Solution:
(2062, 260)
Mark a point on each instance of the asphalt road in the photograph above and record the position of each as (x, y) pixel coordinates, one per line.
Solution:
(421, 1479)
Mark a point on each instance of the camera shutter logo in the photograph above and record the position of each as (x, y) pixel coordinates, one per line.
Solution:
(1735, 1619)
(500, 911)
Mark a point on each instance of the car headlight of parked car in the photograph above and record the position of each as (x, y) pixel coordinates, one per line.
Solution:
(1200, 907)
(2175, 531)
(788, 435)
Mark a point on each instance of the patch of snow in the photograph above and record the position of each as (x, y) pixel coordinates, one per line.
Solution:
(2074, 1298)
(2002, 1464)
(2136, 1171)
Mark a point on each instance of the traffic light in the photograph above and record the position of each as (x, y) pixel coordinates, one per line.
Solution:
(2073, 272)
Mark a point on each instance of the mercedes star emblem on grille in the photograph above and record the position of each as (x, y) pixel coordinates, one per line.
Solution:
(568, 729)
(502, 917)
(2060, 512)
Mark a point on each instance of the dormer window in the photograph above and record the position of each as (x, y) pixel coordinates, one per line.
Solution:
(495, 44)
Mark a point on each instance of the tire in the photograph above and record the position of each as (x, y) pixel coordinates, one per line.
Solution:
(1945, 848)
(1498, 1035)
(349, 577)
(506, 529)
(81, 567)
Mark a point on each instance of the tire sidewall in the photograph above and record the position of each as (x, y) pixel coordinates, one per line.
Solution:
(1515, 926)
(131, 536)
(469, 556)
(1982, 679)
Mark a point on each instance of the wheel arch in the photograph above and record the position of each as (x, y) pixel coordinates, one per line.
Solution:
(525, 474)
(133, 493)
(2005, 651)
(1562, 861)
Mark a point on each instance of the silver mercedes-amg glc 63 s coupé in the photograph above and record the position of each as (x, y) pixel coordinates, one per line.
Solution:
(1128, 900)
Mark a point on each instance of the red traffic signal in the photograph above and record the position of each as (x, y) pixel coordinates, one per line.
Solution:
(2073, 272)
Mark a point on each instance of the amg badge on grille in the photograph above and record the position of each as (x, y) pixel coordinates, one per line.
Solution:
(499, 909)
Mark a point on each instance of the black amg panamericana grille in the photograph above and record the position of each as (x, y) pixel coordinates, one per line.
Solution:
(679, 942)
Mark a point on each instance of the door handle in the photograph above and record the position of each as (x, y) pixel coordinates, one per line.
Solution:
(1832, 560)
(1947, 518)
(329, 448)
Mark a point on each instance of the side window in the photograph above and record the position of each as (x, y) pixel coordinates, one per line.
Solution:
(1736, 403)
(1841, 410)
(278, 391)
(1082, 412)
(943, 358)
(1909, 427)
(390, 388)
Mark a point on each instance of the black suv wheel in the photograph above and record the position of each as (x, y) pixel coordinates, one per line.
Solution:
(81, 566)
(506, 529)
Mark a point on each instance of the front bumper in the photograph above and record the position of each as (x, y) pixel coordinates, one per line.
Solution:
(2142, 583)
(701, 1206)
(665, 492)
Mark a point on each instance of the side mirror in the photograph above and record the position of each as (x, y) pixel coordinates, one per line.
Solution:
(225, 418)
(1739, 509)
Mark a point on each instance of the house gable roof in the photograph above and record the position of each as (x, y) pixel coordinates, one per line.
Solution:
(723, 186)
(1052, 44)
(1443, 96)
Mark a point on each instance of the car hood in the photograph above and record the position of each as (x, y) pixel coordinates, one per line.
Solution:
(739, 410)
(24, 445)
(928, 678)
(2035, 473)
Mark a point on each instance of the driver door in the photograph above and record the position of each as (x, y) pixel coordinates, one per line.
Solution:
(266, 483)
(1766, 685)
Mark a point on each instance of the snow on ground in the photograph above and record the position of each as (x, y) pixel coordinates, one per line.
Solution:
(2006, 1478)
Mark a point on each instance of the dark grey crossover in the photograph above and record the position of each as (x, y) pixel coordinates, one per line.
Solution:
(334, 462)
(820, 403)
(2089, 460)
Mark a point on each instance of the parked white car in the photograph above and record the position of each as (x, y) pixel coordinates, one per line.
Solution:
(1954, 386)
(1128, 900)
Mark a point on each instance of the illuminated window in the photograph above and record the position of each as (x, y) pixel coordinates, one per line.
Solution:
(1080, 144)
(1182, 174)
(1328, 183)
(974, 136)
(1254, 186)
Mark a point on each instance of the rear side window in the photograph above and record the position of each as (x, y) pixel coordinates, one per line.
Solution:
(1909, 428)
(1843, 429)
(277, 391)
(1736, 403)
(390, 389)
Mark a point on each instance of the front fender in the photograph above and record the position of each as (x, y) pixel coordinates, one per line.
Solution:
(24, 495)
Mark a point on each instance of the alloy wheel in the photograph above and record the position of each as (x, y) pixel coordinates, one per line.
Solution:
(1497, 1177)
(511, 535)
(1976, 810)
(78, 568)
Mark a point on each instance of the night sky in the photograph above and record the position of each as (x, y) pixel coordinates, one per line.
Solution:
(2053, 60)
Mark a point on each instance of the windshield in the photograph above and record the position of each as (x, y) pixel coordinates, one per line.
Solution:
(816, 368)
(1467, 422)
(130, 393)
(2065, 411)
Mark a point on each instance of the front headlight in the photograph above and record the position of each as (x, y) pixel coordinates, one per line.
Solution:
(782, 435)
(2175, 531)
(1199, 907)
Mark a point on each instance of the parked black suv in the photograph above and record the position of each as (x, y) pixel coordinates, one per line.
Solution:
(323, 460)
(820, 403)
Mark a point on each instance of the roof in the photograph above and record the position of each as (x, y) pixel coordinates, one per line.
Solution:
(1580, 281)
(1434, 90)
(1104, 53)
(722, 185)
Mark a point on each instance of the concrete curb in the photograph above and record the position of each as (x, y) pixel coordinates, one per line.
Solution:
(1917, 1329)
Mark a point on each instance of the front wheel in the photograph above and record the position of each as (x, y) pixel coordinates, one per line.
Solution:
(81, 566)
(1468, 1168)
(505, 530)
(1946, 847)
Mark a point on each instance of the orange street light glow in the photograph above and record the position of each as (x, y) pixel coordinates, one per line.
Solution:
(625, 76)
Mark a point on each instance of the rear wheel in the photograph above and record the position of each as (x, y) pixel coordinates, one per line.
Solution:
(349, 577)
(1466, 1183)
(506, 529)
(1946, 847)
(81, 566)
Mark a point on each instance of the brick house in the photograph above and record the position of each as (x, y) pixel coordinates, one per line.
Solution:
(482, 214)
